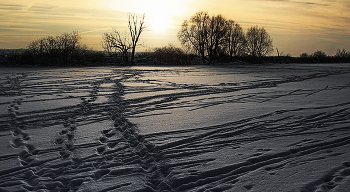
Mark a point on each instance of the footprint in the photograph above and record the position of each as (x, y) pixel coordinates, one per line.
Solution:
(59, 140)
(70, 135)
(16, 132)
(32, 149)
(103, 139)
(16, 143)
(23, 154)
(69, 146)
(248, 187)
(63, 132)
(25, 136)
(64, 154)
(72, 127)
(112, 144)
(101, 149)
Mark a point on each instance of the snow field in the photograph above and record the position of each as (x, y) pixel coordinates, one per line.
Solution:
(197, 128)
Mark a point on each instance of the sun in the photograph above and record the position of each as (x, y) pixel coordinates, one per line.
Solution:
(159, 13)
(158, 23)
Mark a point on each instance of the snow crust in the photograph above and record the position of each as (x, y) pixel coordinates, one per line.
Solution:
(189, 128)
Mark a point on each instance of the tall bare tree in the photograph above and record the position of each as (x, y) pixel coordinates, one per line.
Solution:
(136, 27)
(204, 35)
(235, 40)
(258, 42)
(194, 32)
(217, 30)
(114, 41)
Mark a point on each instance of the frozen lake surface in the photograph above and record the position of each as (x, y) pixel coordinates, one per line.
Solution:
(192, 128)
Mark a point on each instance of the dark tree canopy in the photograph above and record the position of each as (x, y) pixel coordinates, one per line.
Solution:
(56, 49)
(208, 36)
(258, 42)
(194, 32)
(235, 42)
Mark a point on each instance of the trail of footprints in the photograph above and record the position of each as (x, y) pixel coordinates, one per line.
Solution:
(17, 127)
(122, 145)
(65, 138)
(60, 176)
(18, 130)
(330, 181)
(151, 160)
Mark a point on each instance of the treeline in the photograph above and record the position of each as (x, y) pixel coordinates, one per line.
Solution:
(174, 55)
(212, 38)
(204, 38)
(64, 49)
(216, 37)
(319, 56)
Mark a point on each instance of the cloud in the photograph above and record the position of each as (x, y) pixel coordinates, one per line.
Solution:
(11, 7)
(41, 8)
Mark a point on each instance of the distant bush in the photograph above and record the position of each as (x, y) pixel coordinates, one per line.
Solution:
(318, 56)
(342, 55)
(64, 49)
(170, 55)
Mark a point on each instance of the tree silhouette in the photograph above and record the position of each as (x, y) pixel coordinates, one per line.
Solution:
(204, 35)
(218, 28)
(56, 49)
(136, 27)
(194, 32)
(209, 36)
(342, 53)
(115, 42)
(235, 40)
(258, 42)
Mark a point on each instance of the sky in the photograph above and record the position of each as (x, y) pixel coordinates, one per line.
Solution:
(296, 26)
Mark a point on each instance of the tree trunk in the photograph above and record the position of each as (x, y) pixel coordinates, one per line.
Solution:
(132, 58)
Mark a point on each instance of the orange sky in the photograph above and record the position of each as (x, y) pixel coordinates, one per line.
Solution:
(296, 26)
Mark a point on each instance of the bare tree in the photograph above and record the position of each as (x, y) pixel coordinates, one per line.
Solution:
(258, 42)
(342, 53)
(68, 43)
(204, 35)
(115, 42)
(136, 27)
(194, 32)
(216, 33)
(235, 40)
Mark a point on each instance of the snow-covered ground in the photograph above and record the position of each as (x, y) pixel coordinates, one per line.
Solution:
(194, 128)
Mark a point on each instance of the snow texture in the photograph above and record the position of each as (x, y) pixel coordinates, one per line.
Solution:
(191, 128)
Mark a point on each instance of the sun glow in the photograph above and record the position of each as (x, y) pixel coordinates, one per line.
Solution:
(158, 12)
(158, 24)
